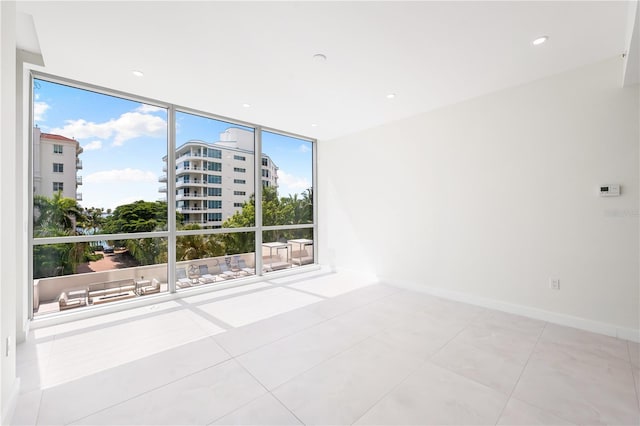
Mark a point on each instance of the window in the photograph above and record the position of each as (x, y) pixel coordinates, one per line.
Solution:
(214, 192)
(124, 198)
(214, 217)
(214, 179)
(212, 166)
(212, 228)
(265, 173)
(212, 153)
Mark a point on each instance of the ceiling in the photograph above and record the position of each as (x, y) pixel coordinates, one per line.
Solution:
(217, 56)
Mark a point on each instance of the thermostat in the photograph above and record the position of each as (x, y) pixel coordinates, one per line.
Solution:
(612, 190)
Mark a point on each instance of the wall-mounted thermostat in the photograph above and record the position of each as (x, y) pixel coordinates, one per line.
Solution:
(612, 190)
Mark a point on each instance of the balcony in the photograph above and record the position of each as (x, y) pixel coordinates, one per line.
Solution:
(78, 164)
(188, 196)
(78, 196)
(189, 209)
(162, 178)
(78, 180)
(162, 189)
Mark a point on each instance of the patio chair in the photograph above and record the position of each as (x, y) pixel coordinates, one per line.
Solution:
(181, 276)
(205, 276)
(243, 266)
(225, 271)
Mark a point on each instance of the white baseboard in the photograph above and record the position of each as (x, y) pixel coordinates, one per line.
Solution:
(526, 311)
(12, 402)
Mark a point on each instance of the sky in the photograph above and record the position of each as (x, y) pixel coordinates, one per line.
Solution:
(124, 142)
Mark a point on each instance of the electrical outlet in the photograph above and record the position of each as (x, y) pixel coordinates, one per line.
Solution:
(554, 283)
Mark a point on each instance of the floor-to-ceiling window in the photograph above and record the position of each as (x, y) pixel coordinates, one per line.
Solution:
(135, 197)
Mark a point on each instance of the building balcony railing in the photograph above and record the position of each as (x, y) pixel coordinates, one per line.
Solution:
(189, 195)
(78, 180)
(162, 189)
(78, 164)
(78, 196)
(162, 178)
(189, 209)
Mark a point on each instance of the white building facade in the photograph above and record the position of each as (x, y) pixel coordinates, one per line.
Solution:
(214, 180)
(55, 165)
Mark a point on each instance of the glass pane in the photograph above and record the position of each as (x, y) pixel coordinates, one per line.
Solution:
(94, 155)
(212, 259)
(288, 248)
(214, 173)
(287, 170)
(80, 275)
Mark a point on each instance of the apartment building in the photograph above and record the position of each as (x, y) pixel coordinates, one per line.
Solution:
(55, 165)
(214, 180)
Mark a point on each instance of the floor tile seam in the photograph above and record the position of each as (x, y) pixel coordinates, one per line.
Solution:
(544, 410)
(406, 377)
(318, 364)
(235, 409)
(299, 331)
(39, 405)
(147, 391)
(430, 357)
(524, 367)
(287, 408)
(267, 391)
(293, 333)
(633, 378)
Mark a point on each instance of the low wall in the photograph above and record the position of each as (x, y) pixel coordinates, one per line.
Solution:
(49, 289)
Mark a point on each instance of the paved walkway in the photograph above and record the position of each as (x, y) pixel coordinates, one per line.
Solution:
(118, 260)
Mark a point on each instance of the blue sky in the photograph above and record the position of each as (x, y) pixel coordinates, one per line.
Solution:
(124, 142)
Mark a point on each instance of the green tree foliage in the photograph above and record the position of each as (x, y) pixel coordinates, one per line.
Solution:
(289, 210)
(139, 216)
(55, 217)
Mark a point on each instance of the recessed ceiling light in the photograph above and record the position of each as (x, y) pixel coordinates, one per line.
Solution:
(246, 105)
(137, 73)
(314, 125)
(391, 95)
(319, 57)
(540, 40)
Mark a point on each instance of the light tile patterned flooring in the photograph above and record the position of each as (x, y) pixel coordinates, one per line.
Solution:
(323, 348)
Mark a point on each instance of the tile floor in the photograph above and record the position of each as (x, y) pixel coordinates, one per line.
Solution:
(325, 348)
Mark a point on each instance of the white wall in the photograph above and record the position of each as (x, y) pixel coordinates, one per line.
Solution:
(490, 198)
(8, 228)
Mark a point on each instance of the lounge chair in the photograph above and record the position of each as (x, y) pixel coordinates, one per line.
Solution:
(225, 271)
(243, 266)
(181, 276)
(205, 276)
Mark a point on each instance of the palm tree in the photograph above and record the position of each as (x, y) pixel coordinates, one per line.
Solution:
(56, 216)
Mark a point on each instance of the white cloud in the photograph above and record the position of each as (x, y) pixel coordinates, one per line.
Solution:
(291, 184)
(304, 148)
(39, 109)
(92, 146)
(129, 125)
(144, 108)
(121, 175)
